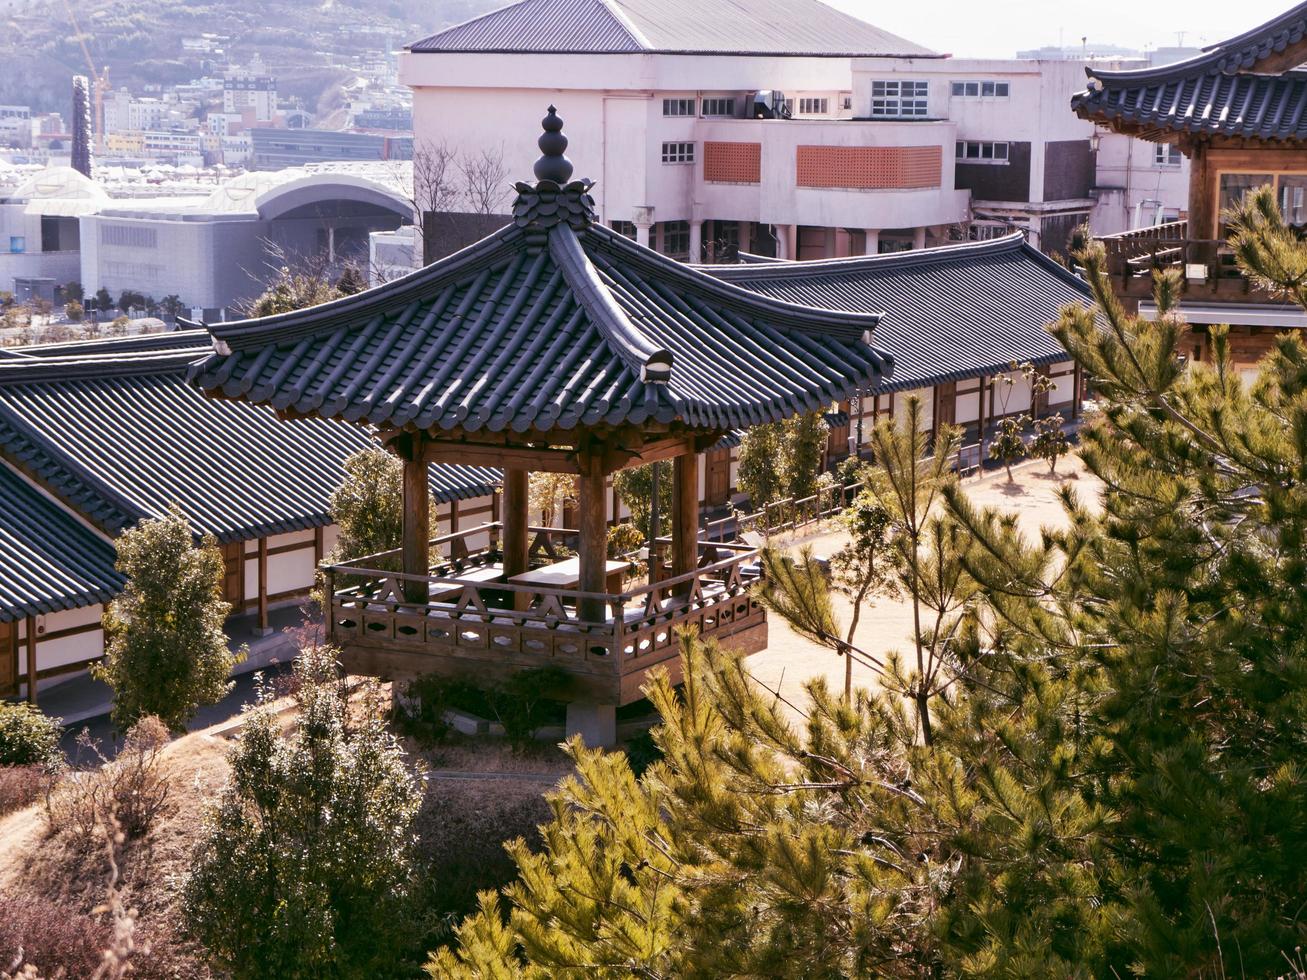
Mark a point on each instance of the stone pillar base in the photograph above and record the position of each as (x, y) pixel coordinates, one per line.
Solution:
(595, 723)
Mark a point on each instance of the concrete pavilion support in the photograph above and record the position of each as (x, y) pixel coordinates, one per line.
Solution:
(685, 517)
(919, 237)
(417, 518)
(595, 723)
(872, 246)
(696, 241)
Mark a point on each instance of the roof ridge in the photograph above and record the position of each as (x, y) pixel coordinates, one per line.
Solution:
(939, 254)
(805, 318)
(638, 37)
(36, 370)
(1212, 59)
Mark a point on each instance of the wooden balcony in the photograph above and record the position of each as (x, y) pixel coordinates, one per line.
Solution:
(1211, 274)
(476, 623)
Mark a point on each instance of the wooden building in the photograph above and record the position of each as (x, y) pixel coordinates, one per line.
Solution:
(553, 345)
(1238, 111)
(95, 436)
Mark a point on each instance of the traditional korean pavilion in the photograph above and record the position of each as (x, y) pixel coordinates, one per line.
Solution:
(1238, 111)
(553, 345)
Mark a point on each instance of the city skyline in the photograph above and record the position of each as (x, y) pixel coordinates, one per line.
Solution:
(964, 30)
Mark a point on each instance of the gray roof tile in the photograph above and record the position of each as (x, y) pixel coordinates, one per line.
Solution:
(1217, 92)
(773, 27)
(48, 559)
(535, 330)
(952, 312)
(117, 433)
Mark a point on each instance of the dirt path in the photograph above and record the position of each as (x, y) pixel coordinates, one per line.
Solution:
(790, 661)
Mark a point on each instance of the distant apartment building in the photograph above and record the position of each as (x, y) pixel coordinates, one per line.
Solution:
(123, 113)
(15, 125)
(246, 94)
(274, 149)
(384, 118)
(798, 132)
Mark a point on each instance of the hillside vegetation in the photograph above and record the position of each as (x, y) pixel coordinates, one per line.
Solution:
(305, 44)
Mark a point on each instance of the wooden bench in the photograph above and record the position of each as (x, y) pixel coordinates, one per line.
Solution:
(482, 575)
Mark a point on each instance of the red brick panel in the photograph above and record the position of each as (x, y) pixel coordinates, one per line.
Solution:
(734, 163)
(869, 167)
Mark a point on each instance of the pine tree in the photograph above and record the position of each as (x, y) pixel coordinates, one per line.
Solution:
(167, 653)
(1049, 441)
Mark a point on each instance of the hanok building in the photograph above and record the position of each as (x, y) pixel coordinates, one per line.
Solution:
(957, 319)
(96, 436)
(1238, 111)
(553, 345)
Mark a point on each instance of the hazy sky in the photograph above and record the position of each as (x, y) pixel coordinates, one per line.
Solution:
(998, 28)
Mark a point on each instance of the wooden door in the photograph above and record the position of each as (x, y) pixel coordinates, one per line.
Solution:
(837, 443)
(717, 477)
(233, 578)
(8, 658)
(946, 403)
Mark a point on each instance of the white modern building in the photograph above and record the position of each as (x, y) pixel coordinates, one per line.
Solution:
(795, 131)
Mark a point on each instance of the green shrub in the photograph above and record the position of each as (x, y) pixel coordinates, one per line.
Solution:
(421, 714)
(623, 539)
(527, 700)
(305, 869)
(27, 737)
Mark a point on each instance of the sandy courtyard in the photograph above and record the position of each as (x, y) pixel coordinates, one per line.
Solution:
(790, 661)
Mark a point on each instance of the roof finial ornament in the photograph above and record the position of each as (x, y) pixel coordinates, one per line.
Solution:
(554, 198)
(553, 165)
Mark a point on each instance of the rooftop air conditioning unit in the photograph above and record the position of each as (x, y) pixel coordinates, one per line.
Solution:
(769, 104)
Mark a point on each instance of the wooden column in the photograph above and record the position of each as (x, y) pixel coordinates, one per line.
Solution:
(263, 585)
(685, 517)
(1076, 382)
(984, 424)
(417, 526)
(1202, 203)
(516, 541)
(31, 659)
(593, 543)
(319, 545)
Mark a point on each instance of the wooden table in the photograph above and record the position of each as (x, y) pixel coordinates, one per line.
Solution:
(567, 575)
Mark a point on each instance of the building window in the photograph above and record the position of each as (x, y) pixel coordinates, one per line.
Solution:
(1166, 155)
(17, 243)
(814, 107)
(676, 239)
(624, 228)
(719, 107)
(131, 235)
(678, 153)
(979, 90)
(846, 102)
(984, 231)
(678, 107)
(898, 99)
(981, 151)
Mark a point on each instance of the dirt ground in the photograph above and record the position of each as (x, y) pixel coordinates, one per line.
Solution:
(790, 661)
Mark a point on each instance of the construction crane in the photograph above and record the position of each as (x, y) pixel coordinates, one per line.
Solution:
(99, 80)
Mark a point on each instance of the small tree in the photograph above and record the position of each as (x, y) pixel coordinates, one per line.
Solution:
(305, 867)
(759, 462)
(783, 459)
(1049, 441)
(864, 566)
(28, 737)
(368, 506)
(1008, 444)
(171, 306)
(166, 651)
(634, 488)
(73, 292)
(351, 281)
(103, 301)
(74, 311)
(548, 493)
(293, 290)
(1039, 383)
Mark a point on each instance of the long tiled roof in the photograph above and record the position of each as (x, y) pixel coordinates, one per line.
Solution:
(48, 560)
(751, 27)
(537, 329)
(1219, 92)
(116, 432)
(951, 313)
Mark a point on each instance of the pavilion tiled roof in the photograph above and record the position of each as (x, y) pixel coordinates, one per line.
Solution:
(114, 430)
(49, 560)
(952, 312)
(548, 325)
(773, 27)
(1224, 91)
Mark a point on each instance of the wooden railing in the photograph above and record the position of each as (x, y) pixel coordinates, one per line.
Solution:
(1135, 254)
(476, 618)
